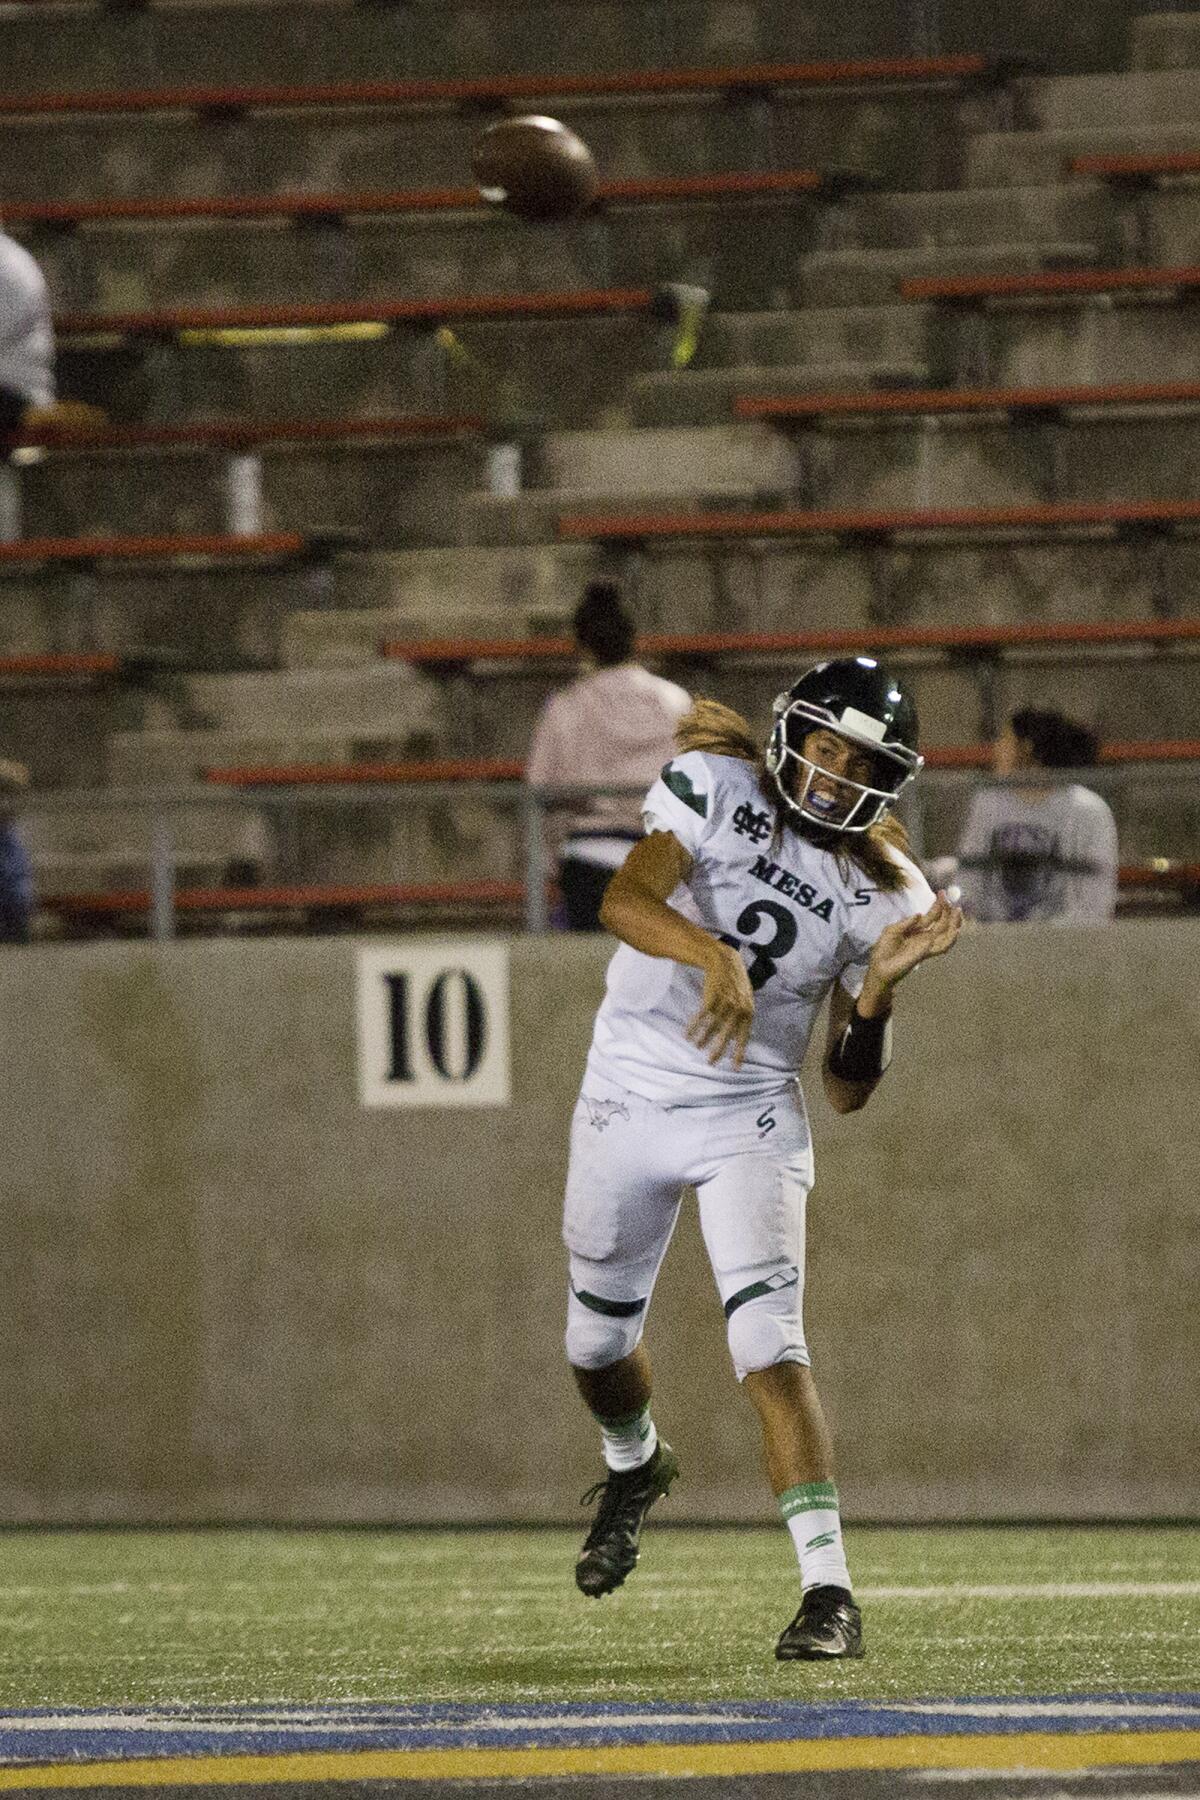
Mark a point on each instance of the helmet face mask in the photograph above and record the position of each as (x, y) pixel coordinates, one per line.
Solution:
(856, 700)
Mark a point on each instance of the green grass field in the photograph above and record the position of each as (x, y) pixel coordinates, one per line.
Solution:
(139, 1618)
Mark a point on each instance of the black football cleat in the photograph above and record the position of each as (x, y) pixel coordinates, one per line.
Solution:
(610, 1550)
(828, 1625)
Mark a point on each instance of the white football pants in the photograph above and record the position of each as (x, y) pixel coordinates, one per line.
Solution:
(751, 1165)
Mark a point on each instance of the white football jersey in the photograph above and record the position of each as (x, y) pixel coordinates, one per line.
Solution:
(801, 924)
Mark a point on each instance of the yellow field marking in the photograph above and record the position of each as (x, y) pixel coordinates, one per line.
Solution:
(1016, 1750)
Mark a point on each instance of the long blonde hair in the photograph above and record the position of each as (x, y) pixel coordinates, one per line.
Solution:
(721, 731)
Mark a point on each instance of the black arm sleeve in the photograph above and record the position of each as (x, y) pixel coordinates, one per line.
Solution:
(864, 1050)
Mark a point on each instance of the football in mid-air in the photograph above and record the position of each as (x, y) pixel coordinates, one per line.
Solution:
(534, 167)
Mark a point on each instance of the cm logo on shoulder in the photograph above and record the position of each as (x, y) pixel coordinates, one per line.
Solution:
(433, 1024)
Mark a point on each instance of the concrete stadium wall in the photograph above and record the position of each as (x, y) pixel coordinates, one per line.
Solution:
(230, 1292)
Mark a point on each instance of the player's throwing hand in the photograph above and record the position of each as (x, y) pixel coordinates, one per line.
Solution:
(727, 1011)
(900, 947)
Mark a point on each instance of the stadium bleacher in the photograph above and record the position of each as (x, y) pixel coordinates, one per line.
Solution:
(883, 526)
(1065, 285)
(302, 207)
(1018, 405)
(318, 349)
(955, 639)
(1149, 169)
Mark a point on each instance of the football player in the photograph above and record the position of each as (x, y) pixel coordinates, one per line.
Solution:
(765, 882)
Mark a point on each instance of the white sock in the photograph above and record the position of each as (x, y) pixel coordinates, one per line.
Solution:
(628, 1443)
(811, 1515)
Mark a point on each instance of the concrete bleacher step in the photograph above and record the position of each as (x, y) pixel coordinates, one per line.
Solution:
(467, 838)
(704, 396)
(1023, 159)
(741, 249)
(116, 833)
(390, 699)
(153, 758)
(203, 263)
(435, 593)
(826, 336)
(1062, 214)
(554, 371)
(1094, 343)
(728, 456)
(315, 151)
(223, 616)
(869, 277)
(1143, 99)
(917, 134)
(684, 587)
(1154, 821)
(1172, 225)
(1166, 40)
(352, 636)
(532, 518)
(950, 696)
(918, 464)
(305, 715)
(387, 493)
(122, 870)
(80, 47)
(215, 43)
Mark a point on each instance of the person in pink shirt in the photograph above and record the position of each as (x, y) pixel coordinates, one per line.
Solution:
(616, 724)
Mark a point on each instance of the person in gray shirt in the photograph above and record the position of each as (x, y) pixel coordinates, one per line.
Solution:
(1039, 852)
(27, 391)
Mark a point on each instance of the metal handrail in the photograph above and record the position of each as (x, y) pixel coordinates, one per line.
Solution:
(533, 804)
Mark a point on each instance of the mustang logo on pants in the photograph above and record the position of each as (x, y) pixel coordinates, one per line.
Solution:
(602, 1112)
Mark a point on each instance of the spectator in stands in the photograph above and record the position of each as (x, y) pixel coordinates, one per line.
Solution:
(1046, 851)
(615, 724)
(16, 871)
(27, 390)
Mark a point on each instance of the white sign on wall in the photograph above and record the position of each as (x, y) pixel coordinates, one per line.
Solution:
(433, 1024)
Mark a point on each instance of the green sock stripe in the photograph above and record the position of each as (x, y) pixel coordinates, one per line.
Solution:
(812, 1496)
(628, 1423)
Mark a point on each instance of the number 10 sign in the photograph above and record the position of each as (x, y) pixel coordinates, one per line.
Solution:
(433, 1024)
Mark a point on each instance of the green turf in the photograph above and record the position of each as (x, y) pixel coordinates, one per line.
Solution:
(103, 1618)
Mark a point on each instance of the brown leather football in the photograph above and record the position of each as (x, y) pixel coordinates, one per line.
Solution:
(536, 168)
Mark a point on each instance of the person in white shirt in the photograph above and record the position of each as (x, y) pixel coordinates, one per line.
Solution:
(27, 390)
(1044, 852)
(615, 724)
(765, 883)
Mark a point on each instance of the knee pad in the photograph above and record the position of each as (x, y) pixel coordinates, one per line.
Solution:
(764, 1325)
(600, 1331)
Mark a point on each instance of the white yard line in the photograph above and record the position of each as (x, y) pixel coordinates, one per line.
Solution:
(1048, 1709)
(1038, 1590)
(662, 1583)
(323, 1725)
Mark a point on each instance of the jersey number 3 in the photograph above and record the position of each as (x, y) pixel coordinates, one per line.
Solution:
(765, 958)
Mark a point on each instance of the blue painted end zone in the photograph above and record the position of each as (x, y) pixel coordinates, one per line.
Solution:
(74, 1735)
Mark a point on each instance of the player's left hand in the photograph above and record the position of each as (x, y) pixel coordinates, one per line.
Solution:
(726, 1015)
(900, 947)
